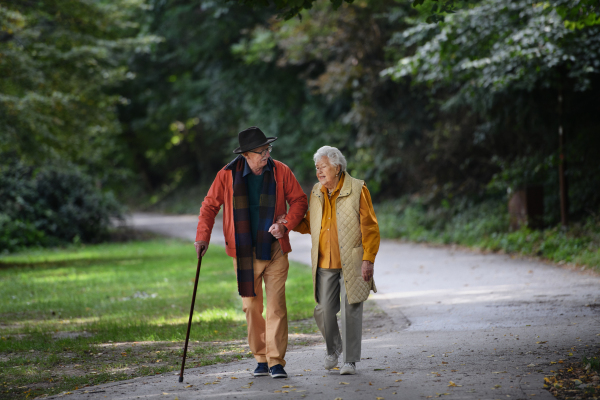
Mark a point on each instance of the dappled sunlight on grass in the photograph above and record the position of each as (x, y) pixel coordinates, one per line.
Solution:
(60, 309)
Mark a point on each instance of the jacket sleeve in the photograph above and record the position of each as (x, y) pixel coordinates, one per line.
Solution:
(304, 225)
(368, 226)
(296, 198)
(210, 207)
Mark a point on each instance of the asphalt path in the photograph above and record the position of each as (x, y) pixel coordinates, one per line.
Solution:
(454, 324)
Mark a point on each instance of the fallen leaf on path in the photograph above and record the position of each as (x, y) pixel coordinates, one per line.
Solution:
(189, 386)
(277, 391)
(379, 369)
(433, 355)
(497, 386)
(307, 369)
(545, 341)
(531, 365)
(344, 383)
(286, 386)
(444, 362)
(338, 398)
(499, 372)
(233, 377)
(398, 380)
(452, 384)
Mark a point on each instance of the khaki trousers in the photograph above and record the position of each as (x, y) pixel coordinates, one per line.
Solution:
(330, 287)
(268, 339)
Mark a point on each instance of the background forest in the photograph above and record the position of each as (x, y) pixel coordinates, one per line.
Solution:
(138, 103)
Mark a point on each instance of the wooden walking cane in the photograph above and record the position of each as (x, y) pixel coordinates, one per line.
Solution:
(187, 336)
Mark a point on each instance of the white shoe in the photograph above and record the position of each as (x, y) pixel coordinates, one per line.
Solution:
(331, 360)
(348, 369)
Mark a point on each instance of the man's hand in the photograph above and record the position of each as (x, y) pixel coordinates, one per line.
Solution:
(367, 270)
(201, 248)
(277, 230)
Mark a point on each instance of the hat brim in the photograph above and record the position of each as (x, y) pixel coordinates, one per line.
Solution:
(252, 146)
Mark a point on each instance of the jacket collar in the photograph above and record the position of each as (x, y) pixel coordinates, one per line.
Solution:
(347, 187)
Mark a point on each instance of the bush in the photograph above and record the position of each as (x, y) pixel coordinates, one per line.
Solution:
(51, 205)
(485, 225)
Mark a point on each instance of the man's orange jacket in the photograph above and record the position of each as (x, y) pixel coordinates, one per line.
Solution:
(221, 193)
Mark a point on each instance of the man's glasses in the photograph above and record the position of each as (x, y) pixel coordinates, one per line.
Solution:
(264, 152)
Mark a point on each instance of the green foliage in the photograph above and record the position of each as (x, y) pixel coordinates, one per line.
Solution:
(504, 76)
(58, 60)
(591, 363)
(191, 97)
(340, 55)
(51, 206)
(496, 46)
(291, 8)
(576, 14)
(484, 225)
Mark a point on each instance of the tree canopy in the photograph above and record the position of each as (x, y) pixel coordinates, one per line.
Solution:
(147, 96)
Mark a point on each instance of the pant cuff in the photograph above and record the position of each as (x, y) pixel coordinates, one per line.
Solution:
(275, 361)
(260, 359)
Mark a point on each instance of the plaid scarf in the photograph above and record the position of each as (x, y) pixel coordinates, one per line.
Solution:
(241, 220)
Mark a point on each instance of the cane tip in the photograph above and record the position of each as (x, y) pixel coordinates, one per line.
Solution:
(180, 379)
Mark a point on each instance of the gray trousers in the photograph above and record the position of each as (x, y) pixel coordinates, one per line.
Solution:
(330, 287)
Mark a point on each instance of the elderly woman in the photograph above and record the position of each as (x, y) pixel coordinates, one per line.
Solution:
(345, 241)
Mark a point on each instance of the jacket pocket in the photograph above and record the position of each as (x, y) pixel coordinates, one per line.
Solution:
(357, 257)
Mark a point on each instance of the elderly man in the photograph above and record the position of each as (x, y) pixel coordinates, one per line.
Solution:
(254, 189)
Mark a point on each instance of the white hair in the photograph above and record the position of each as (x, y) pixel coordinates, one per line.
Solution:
(333, 154)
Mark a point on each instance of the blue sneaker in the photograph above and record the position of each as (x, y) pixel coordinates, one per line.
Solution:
(261, 370)
(277, 371)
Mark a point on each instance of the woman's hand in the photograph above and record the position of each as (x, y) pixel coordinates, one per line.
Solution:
(367, 270)
(281, 219)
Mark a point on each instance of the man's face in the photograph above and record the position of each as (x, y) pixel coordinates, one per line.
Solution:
(256, 161)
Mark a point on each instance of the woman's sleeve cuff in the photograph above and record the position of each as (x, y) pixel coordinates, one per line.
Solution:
(369, 257)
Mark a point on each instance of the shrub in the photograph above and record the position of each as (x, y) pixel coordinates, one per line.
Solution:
(485, 225)
(51, 205)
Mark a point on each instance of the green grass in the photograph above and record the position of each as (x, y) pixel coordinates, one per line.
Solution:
(108, 297)
(591, 363)
(486, 226)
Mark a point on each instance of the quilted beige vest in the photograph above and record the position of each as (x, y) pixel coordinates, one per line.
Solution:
(349, 237)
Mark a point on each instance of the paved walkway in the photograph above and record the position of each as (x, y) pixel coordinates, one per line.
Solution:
(455, 324)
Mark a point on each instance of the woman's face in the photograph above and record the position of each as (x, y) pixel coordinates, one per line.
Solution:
(326, 173)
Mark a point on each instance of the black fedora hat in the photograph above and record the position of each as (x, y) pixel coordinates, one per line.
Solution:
(252, 138)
